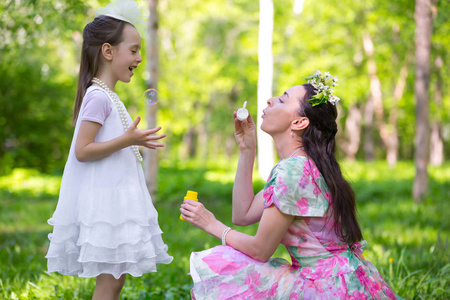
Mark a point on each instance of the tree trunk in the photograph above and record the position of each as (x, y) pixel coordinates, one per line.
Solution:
(421, 143)
(436, 145)
(190, 141)
(353, 132)
(151, 156)
(375, 89)
(230, 145)
(369, 108)
(369, 152)
(265, 77)
(436, 140)
(202, 139)
(392, 141)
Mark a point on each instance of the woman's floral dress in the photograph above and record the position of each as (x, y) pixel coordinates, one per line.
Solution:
(323, 266)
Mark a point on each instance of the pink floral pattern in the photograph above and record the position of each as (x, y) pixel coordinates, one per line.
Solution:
(303, 182)
(357, 296)
(323, 267)
(222, 266)
(253, 280)
(282, 188)
(302, 205)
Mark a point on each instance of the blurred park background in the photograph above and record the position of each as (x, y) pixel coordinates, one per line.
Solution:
(208, 66)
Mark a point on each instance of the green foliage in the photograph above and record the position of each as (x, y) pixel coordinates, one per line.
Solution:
(208, 67)
(407, 242)
(38, 42)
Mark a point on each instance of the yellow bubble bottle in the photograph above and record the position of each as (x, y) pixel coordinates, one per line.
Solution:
(191, 195)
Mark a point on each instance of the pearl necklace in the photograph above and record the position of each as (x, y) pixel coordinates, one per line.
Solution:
(301, 148)
(122, 109)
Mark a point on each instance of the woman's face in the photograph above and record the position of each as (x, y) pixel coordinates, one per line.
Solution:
(282, 110)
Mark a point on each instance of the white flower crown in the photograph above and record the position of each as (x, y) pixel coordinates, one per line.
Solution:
(324, 91)
(125, 10)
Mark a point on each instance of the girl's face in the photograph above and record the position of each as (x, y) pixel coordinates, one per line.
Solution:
(126, 54)
(281, 111)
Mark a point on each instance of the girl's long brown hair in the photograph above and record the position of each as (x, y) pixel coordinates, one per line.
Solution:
(319, 143)
(102, 30)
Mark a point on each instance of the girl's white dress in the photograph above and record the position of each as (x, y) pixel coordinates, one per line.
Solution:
(105, 222)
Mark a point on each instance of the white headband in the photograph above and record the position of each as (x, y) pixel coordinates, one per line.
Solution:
(125, 10)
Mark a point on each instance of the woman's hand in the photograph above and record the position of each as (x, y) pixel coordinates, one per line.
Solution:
(245, 133)
(144, 137)
(196, 213)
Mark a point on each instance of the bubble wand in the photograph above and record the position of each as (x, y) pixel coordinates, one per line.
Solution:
(242, 113)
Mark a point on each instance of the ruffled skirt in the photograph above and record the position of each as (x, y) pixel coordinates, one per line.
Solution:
(104, 229)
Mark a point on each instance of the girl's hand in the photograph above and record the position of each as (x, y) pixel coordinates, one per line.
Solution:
(144, 137)
(245, 133)
(196, 213)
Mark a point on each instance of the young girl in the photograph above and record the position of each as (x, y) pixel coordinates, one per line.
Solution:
(306, 205)
(105, 225)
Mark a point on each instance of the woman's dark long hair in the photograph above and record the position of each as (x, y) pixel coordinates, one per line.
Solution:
(102, 30)
(319, 142)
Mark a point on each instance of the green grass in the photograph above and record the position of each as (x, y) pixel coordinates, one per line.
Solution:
(407, 242)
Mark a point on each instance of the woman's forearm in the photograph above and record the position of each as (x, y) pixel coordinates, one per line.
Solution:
(250, 245)
(245, 243)
(261, 246)
(271, 229)
(243, 193)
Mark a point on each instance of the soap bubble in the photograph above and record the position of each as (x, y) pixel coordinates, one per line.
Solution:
(151, 96)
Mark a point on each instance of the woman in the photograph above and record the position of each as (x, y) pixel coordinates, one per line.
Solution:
(306, 205)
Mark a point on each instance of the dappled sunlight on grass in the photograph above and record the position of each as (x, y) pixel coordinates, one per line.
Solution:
(407, 241)
(222, 177)
(26, 182)
(440, 174)
(376, 170)
(403, 236)
(28, 215)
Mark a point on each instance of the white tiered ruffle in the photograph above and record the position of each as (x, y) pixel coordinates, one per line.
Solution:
(106, 230)
(86, 251)
(89, 250)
